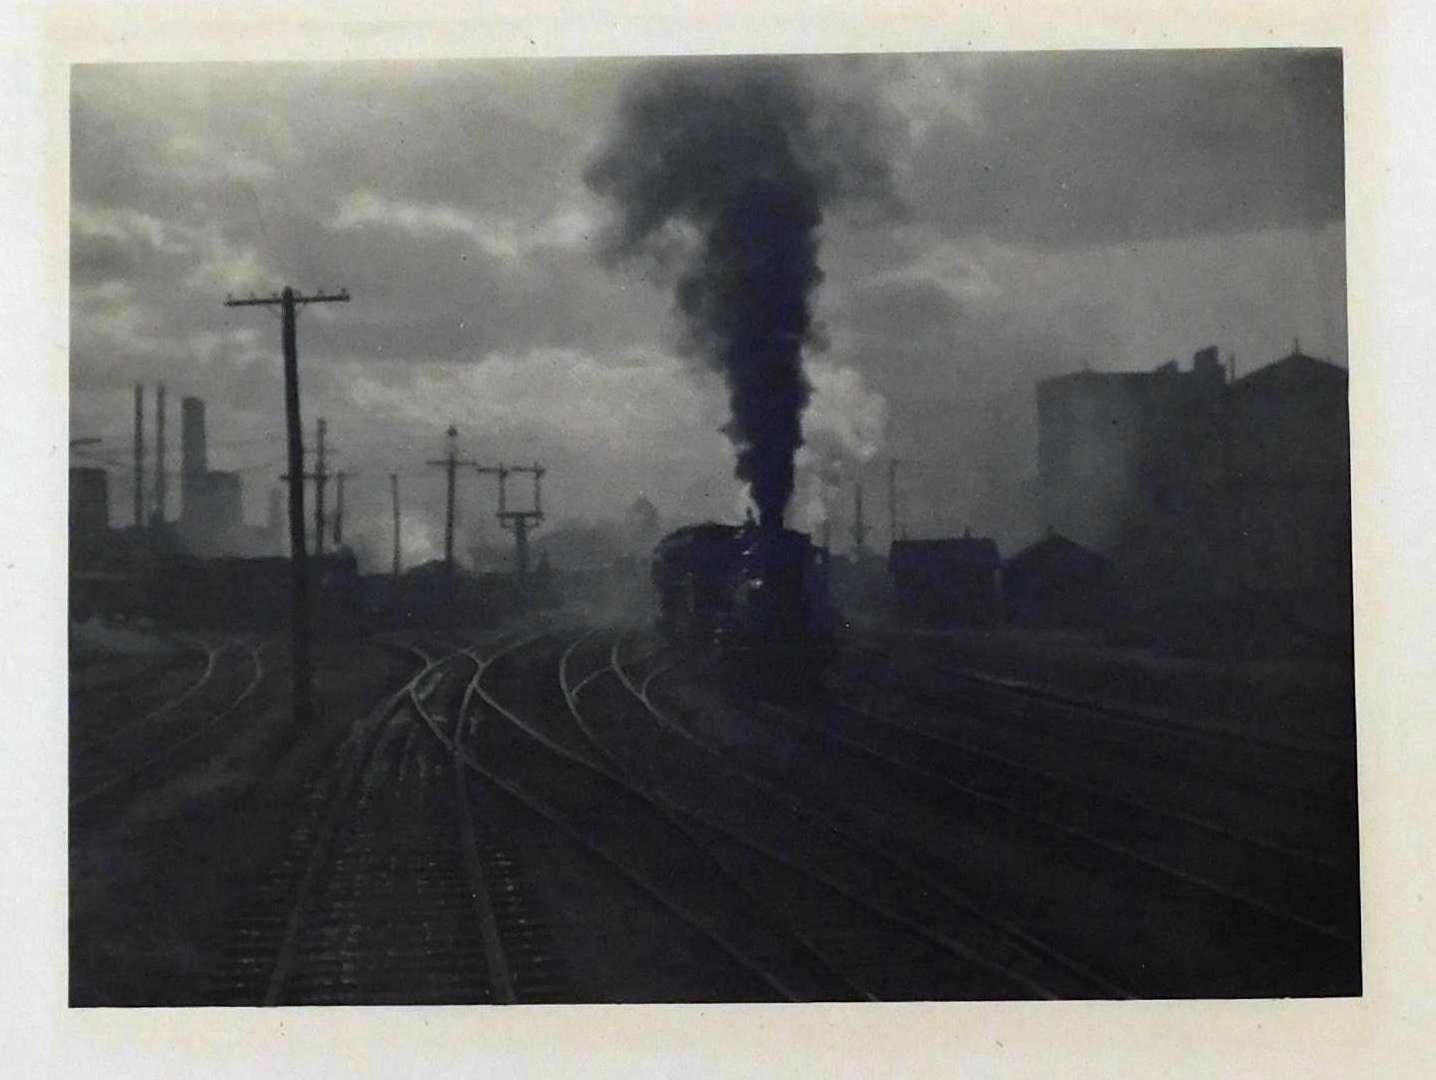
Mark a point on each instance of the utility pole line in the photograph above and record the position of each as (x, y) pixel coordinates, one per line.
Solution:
(450, 462)
(161, 478)
(320, 479)
(394, 493)
(289, 302)
(139, 455)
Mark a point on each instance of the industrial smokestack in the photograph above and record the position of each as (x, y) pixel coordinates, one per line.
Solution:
(745, 158)
(161, 479)
(194, 453)
(194, 460)
(139, 454)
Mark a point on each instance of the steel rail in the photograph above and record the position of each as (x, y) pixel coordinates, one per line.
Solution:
(170, 749)
(1164, 722)
(560, 821)
(675, 813)
(866, 847)
(338, 807)
(1072, 831)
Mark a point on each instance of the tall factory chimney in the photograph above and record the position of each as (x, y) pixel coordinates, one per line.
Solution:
(161, 479)
(194, 461)
(860, 530)
(139, 454)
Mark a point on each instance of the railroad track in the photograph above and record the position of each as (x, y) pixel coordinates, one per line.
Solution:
(1303, 804)
(857, 755)
(1116, 825)
(109, 734)
(859, 920)
(901, 881)
(598, 813)
(1151, 719)
(391, 892)
(115, 765)
(1233, 751)
(142, 685)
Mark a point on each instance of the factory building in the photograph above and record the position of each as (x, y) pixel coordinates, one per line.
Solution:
(211, 502)
(89, 514)
(194, 451)
(1233, 494)
(213, 505)
(1110, 443)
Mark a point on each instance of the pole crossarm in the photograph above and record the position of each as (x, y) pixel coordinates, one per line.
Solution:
(450, 463)
(321, 297)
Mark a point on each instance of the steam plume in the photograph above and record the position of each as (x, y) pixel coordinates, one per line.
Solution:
(743, 157)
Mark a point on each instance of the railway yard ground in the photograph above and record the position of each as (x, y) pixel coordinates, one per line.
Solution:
(557, 809)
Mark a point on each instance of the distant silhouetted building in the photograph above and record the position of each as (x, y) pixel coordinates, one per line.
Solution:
(1287, 477)
(211, 521)
(89, 514)
(213, 505)
(947, 581)
(1209, 496)
(1057, 583)
(1105, 443)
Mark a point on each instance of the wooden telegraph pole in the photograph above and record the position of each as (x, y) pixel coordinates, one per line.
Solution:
(339, 507)
(139, 455)
(394, 493)
(289, 303)
(450, 462)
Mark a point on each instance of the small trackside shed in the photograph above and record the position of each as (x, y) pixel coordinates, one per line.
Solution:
(950, 581)
(1057, 582)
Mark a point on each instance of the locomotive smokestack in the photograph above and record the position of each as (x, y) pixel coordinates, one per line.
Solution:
(738, 155)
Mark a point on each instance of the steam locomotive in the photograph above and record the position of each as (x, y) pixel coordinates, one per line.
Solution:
(758, 595)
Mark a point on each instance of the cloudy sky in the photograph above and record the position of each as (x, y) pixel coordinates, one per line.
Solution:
(1041, 213)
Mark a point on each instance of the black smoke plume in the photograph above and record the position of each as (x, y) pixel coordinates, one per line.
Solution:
(746, 158)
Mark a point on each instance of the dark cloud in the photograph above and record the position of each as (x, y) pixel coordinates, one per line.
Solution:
(96, 259)
(1017, 216)
(1074, 149)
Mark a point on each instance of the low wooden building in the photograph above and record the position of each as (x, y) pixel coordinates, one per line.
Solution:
(1057, 582)
(950, 581)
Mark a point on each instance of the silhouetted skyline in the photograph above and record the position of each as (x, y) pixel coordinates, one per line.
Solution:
(1048, 212)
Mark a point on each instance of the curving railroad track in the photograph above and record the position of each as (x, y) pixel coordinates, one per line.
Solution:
(809, 903)
(119, 761)
(564, 813)
(1163, 901)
